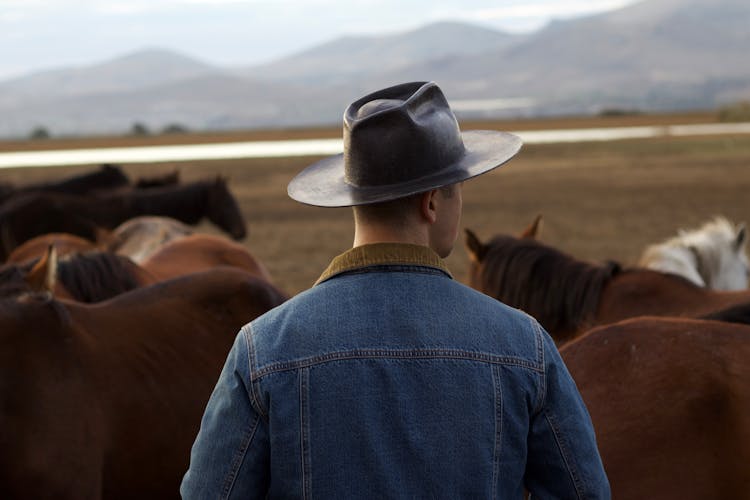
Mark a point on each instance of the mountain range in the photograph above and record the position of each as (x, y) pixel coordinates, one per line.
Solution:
(655, 55)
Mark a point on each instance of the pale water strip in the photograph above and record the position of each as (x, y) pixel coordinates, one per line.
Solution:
(322, 147)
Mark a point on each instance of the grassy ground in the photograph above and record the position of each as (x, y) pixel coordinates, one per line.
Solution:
(599, 200)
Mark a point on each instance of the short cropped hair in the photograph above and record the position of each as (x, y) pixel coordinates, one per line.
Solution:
(394, 212)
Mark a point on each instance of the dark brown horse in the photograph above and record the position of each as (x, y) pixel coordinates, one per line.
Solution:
(24, 217)
(670, 403)
(104, 178)
(568, 296)
(105, 400)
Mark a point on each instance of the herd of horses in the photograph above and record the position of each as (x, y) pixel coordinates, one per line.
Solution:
(116, 317)
(662, 363)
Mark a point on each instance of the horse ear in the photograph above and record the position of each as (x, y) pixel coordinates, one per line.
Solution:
(476, 249)
(534, 229)
(43, 276)
(741, 239)
(104, 238)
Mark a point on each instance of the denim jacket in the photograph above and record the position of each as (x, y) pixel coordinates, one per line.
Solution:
(388, 379)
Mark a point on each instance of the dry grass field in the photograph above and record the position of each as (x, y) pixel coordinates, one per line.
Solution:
(600, 200)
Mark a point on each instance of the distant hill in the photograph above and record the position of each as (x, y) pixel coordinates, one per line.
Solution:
(357, 57)
(652, 55)
(141, 69)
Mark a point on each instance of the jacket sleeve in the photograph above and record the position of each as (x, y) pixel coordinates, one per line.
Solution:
(230, 456)
(563, 458)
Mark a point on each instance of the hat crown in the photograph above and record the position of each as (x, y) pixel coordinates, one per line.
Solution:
(399, 135)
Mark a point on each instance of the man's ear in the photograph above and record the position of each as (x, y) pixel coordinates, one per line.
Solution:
(428, 205)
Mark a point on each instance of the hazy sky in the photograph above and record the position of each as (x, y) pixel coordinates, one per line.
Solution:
(45, 34)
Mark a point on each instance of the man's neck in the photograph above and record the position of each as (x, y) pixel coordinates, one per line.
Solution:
(365, 235)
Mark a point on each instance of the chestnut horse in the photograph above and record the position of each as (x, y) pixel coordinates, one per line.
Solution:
(24, 217)
(95, 276)
(136, 238)
(568, 296)
(105, 400)
(670, 402)
(86, 277)
(37, 246)
(197, 252)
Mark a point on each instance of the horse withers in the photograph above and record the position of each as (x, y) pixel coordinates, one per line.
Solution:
(105, 400)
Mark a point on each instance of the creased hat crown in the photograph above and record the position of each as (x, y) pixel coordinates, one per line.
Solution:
(400, 141)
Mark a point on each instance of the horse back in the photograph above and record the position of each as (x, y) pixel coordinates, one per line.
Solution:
(199, 252)
(121, 384)
(668, 396)
(640, 292)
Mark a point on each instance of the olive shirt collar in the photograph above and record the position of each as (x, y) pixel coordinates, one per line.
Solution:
(377, 254)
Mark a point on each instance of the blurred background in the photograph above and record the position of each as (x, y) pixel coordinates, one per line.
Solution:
(82, 67)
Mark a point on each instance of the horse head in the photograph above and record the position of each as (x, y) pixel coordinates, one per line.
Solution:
(713, 256)
(224, 211)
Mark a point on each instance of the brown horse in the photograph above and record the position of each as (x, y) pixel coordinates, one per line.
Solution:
(198, 252)
(95, 276)
(141, 236)
(670, 403)
(105, 400)
(85, 277)
(37, 246)
(24, 217)
(104, 178)
(568, 296)
(136, 238)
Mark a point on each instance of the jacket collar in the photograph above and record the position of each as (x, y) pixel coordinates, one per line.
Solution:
(377, 254)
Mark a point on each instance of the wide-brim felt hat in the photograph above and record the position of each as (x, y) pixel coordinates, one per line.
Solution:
(400, 141)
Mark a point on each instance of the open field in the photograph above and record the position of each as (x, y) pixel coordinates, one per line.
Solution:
(599, 200)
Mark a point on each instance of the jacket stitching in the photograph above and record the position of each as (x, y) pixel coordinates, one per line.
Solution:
(498, 427)
(564, 453)
(395, 354)
(239, 457)
(542, 394)
(304, 410)
(247, 333)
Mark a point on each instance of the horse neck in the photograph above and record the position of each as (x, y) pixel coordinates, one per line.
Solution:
(187, 203)
(562, 293)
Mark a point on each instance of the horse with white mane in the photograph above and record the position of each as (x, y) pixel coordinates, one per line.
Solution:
(713, 256)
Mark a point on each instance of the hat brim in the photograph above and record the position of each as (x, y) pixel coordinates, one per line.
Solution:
(323, 184)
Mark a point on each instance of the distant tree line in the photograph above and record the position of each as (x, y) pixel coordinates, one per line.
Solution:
(41, 132)
(738, 112)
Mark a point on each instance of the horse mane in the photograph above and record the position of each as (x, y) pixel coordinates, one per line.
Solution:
(562, 293)
(12, 282)
(96, 276)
